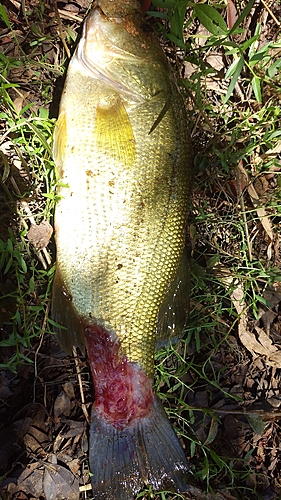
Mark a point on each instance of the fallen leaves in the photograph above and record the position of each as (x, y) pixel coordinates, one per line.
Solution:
(257, 341)
(42, 453)
(59, 483)
(40, 234)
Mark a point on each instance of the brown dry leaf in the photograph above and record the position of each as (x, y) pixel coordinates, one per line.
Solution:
(212, 432)
(260, 345)
(27, 483)
(4, 389)
(75, 428)
(232, 14)
(10, 438)
(40, 235)
(61, 406)
(30, 481)
(68, 388)
(274, 359)
(37, 439)
(275, 151)
(256, 202)
(59, 483)
(265, 341)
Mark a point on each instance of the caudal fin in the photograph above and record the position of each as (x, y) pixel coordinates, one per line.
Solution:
(146, 452)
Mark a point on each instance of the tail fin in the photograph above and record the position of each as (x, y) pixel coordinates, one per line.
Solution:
(146, 452)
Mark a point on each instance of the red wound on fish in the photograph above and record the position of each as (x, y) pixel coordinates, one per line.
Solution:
(122, 390)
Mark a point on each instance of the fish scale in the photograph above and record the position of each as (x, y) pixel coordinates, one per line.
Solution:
(122, 151)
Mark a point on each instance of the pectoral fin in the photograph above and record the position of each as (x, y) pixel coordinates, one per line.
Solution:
(113, 132)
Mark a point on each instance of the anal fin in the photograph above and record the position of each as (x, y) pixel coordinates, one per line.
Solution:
(63, 313)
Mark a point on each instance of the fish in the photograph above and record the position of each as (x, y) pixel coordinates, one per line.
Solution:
(124, 162)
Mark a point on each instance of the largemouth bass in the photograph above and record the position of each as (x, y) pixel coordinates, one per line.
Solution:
(123, 155)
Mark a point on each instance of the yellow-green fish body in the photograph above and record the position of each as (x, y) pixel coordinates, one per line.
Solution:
(122, 151)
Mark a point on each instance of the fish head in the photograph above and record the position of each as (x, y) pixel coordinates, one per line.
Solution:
(111, 42)
(108, 28)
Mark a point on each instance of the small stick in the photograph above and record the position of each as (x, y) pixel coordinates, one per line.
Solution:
(271, 13)
(60, 30)
(39, 346)
(245, 224)
(84, 408)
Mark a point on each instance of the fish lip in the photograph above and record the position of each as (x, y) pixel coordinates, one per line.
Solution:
(96, 71)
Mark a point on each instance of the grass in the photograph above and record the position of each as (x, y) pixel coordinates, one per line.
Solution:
(235, 122)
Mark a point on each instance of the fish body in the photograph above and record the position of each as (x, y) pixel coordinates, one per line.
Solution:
(122, 152)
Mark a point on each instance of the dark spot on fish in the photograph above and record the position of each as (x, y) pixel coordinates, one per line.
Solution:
(119, 266)
(72, 149)
(111, 183)
(89, 173)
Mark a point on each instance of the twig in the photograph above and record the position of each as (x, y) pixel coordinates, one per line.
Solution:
(69, 15)
(85, 487)
(23, 8)
(60, 30)
(14, 88)
(39, 346)
(84, 408)
(241, 201)
(271, 13)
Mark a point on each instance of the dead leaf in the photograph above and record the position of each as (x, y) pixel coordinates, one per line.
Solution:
(10, 439)
(59, 483)
(4, 389)
(212, 432)
(61, 406)
(68, 388)
(231, 14)
(27, 483)
(75, 428)
(256, 202)
(40, 234)
(260, 345)
(274, 359)
(256, 423)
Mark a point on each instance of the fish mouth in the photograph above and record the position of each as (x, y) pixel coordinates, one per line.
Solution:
(96, 51)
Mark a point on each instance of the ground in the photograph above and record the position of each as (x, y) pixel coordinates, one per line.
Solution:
(221, 383)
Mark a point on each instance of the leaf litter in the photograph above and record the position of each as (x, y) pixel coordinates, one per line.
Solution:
(234, 401)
